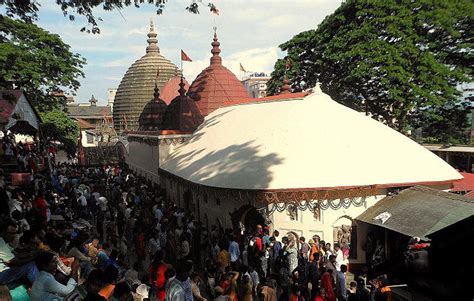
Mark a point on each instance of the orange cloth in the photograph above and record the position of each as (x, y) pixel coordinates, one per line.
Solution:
(223, 258)
(107, 291)
(314, 249)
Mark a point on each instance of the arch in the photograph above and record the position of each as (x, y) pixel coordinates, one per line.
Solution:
(345, 233)
(248, 216)
(341, 218)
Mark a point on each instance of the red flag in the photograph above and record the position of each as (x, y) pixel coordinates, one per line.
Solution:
(185, 57)
(242, 68)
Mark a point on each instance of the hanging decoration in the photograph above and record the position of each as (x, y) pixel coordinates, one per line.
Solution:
(156, 139)
(267, 202)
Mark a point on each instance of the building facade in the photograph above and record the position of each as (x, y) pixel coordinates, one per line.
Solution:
(256, 84)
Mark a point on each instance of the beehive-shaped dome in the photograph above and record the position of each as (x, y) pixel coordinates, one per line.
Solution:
(151, 119)
(138, 82)
(182, 113)
(216, 86)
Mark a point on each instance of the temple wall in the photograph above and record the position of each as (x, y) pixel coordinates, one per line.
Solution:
(305, 224)
(143, 159)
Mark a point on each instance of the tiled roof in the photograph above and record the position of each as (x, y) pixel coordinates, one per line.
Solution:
(83, 124)
(88, 111)
(466, 184)
(419, 211)
(216, 86)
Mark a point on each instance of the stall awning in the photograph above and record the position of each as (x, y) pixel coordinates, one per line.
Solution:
(418, 211)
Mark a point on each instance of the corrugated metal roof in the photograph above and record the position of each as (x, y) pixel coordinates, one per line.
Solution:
(419, 211)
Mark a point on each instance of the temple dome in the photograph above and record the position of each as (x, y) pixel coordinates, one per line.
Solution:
(171, 87)
(182, 114)
(311, 143)
(216, 86)
(138, 82)
(151, 119)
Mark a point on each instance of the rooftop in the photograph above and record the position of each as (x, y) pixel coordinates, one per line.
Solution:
(419, 211)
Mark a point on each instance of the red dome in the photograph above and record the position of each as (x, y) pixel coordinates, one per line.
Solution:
(171, 87)
(151, 119)
(182, 113)
(216, 86)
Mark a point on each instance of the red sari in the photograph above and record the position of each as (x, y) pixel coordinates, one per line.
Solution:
(326, 283)
(160, 281)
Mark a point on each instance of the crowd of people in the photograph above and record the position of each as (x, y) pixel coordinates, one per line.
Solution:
(103, 233)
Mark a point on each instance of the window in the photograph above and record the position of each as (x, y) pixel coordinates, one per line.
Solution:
(218, 201)
(205, 199)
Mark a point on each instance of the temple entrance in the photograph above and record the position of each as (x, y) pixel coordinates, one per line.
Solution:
(246, 217)
(345, 234)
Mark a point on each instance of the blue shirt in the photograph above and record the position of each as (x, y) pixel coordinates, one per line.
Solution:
(46, 288)
(234, 251)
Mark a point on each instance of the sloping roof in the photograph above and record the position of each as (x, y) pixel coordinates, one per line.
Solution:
(419, 211)
(8, 102)
(466, 184)
(88, 111)
(302, 143)
(450, 148)
(83, 124)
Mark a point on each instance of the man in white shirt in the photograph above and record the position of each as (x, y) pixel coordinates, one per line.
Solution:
(102, 202)
(82, 201)
(339, 256)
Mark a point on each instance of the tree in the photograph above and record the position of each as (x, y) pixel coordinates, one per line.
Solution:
(41, 64)
(37, 61)
(399, 60)
(56, 125)
(27, 9)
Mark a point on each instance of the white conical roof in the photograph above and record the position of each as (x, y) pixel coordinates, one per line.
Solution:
(307, 143)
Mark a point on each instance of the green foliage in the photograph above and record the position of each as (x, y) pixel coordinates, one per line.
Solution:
(38, 62)
(398, 60)
(58, 126)
(27, 10)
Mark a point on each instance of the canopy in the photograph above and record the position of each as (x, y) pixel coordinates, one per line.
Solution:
(419, 211)
(303, 143)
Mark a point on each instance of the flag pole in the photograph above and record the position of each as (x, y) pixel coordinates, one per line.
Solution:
(182, 71)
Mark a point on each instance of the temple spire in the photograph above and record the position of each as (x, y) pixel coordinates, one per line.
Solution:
(286, 87)
(152, 40)
(216, 59)
(156, 93)
(182, 90)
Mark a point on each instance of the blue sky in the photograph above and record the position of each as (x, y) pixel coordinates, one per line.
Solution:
(249, 31)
